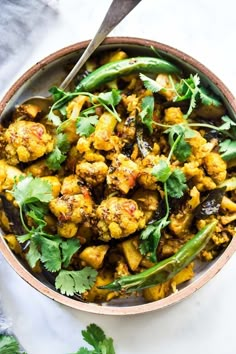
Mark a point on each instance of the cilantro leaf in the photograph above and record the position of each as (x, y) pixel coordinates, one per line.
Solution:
(207, 98)
(182, 150)
(93, 335)
(150, 84)
(176, 184)
(151, 237)
(228, 149)
(161, 171)
(111, 98)
(58, 155)
(96, 337)
(85, 126)
(55, 159)
(31, 189)
(57, 93)
(72, 282)
(9, 345)
(55, 119)
(50, 253)
(68, 249)
(33, 255)
(146, 114)
(84, 351)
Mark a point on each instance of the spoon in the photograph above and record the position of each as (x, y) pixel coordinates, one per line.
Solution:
(115, 14)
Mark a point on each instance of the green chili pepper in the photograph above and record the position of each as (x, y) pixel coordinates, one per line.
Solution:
(167, 268)
(113, 70)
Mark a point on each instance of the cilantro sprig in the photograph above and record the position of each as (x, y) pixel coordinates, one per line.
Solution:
(146, 114)
(182, 148)
(32, 195)
(9, 345)
(96, 337)
(108, 100)
(174, 184)
(185, 89)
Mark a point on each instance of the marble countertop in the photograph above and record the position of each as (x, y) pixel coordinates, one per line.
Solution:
(203, 323)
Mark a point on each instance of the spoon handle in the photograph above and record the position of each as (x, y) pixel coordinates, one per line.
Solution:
(115, 14)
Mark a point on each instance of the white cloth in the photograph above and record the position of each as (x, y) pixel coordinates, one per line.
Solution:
(22, 25)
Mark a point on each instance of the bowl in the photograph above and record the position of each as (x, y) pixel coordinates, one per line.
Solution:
(51, 71)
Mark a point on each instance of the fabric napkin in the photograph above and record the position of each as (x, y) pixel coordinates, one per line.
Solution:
(23, 23)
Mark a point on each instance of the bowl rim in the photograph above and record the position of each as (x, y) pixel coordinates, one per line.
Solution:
(96, 308)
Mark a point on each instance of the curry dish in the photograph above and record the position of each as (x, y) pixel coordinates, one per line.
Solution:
(107, 193)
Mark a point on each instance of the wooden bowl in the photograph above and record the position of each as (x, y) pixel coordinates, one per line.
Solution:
(51, 71)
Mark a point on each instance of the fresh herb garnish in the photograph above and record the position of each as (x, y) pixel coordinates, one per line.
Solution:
(108, 100)
(9, 345)
(174, 184)
(228, 149)
(150, 237)
(71, 282)
(185, 89)
(146, 114)
(85, 125)
(181, 131)
(32, 194)
(151, 84)
(58, 155)
(96, 337)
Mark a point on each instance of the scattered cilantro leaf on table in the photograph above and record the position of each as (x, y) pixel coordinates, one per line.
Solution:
(72, 282)
(96, 337)
(9, 345)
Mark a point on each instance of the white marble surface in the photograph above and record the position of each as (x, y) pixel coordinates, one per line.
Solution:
(203, 323)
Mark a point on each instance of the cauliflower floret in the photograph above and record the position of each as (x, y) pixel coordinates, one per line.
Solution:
(55, 184)
(8, 175)
(70, 185)
(146, 178)
(103, 139)
(92, 173)
(75, 208)
(27, 141)
(118, 217)
(147, 201)
(173, 115)
(122, 174)
(215, 167)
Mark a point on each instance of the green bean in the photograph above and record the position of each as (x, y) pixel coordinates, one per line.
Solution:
(167, 268)
(113, 70)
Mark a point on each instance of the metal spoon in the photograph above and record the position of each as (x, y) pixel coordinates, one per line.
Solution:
(115, 14)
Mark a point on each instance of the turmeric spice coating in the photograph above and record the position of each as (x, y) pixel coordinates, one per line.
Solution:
(133, 171)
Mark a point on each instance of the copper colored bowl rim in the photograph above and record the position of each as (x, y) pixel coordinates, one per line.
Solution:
(115, 310)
